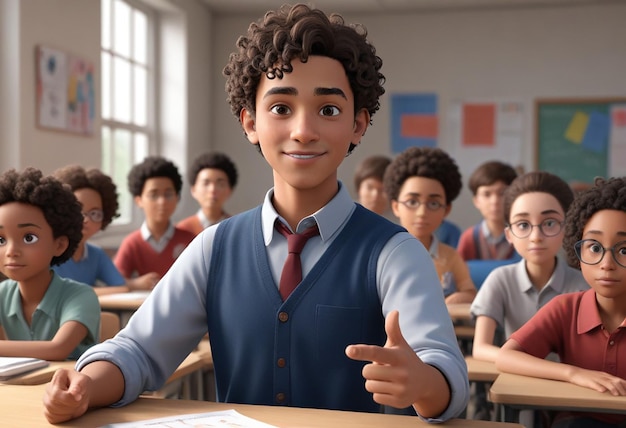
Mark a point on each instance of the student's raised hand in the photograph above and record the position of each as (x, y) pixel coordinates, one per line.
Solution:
(66, 396)
(599, 381)
(397, 377)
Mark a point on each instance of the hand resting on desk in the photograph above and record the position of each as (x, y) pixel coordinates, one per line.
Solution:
(397, 377)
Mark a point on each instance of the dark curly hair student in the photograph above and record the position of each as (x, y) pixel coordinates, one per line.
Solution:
(604, 195)
(423, 162)
(77, 178)
(58, 204)
(153, 166)
(297, 33)
(214, 160)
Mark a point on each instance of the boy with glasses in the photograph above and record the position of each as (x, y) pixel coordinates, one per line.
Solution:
(421, 183)
(97, 195)
(146, 254)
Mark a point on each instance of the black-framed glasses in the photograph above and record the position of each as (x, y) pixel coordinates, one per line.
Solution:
(414, 204)
(549, 227)
(591, 252)
(94, 215)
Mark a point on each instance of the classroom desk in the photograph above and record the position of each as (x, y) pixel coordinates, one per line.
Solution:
(522, 392)
(22, 406)
(123, 304)
(481, 371)
(459, 311)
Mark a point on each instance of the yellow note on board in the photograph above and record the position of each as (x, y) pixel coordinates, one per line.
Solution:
(577, 127)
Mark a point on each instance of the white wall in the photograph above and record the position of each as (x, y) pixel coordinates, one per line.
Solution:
(519, 53)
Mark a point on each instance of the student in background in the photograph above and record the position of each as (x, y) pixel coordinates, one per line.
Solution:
(534, 206)
(422, 183)
(42, 315)
(368, 183)
(306, 99)
(97, 195)
(146, 254)
(448, 233)
(213, 176)
(486, 240)
(585, 329)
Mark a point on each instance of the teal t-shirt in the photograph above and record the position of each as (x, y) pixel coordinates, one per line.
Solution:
(65, 300)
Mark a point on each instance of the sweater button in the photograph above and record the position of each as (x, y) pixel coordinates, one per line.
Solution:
(283, 316)
(280, 397)
(281, 363)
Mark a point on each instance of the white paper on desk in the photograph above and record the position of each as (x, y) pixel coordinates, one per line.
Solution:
(222, 419)
(13, 366)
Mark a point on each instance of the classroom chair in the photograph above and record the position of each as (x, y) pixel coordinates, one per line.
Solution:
(110, 324)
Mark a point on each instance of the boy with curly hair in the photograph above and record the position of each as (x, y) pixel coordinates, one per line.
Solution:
(585, 328)
(146, 254)
(41, 314)
(304, 86)
(97, 195)
(422, 182)
(213, 176)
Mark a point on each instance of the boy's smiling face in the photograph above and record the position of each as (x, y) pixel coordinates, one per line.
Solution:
(304, 124)
(27, 244)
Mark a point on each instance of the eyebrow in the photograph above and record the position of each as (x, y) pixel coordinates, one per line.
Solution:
(546, 212)
(21, 225)
(599, 232)
(290, 90)
(432, 195)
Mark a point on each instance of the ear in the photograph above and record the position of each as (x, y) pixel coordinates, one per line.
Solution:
(394, 208)
(138, 201)
(361, 122)
(60, 245)
(248, 123)
(507, 234)
(475, 201)
(448, 209)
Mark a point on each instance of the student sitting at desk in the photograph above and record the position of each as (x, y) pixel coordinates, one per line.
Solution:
(586, 329)
(43, 315)
(90, 264)
(360, 322)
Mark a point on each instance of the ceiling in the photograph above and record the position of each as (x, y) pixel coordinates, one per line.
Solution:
(377, 6)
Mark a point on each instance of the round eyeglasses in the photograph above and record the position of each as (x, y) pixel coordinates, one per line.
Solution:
(591, 252)
(414, 204)
(549, 227)
(94, 215)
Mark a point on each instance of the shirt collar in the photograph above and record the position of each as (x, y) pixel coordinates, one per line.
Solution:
(488, 236)
(45, 305)
(329, 218)
(588, 316)
(147, 235)
(434, 247)
(205, 222)
(556, 281)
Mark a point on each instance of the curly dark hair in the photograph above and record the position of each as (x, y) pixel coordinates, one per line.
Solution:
(490, 173)
(60, 207)
(372, 166)
(537, 181)
(604, 195)
(299, 32)
(78, 178)
(214, 160)
(423, 162)
(152, 167)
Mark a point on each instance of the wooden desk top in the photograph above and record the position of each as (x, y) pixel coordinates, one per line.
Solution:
(459, 311)
(481, 371)
(524, 391)
(122, 301)
(22, 406)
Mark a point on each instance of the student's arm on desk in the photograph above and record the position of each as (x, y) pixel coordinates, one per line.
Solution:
(396, 375)
(113, 289)
(67, 338)
(513, 359)
(143, 282)
(484, 332)
(70, 393)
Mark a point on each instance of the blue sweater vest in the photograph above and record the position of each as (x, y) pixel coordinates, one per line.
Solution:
(270, 352)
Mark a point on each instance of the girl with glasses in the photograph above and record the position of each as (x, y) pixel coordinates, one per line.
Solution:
(586, 329)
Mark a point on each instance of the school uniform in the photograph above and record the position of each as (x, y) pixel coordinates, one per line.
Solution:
(94, 266)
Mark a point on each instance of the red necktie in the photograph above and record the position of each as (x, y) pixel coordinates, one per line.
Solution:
(292, 270)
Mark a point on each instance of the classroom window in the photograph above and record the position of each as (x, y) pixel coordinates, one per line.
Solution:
(128, 94)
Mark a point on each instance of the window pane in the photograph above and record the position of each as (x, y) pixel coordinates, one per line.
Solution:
(141, 146)
(106, 24)
(121, 28)
(140, 100)
(140, 32)
(121, 94)
(122, 163)
(106, 150)
(106, 85)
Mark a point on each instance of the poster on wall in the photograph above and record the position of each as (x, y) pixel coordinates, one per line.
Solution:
(65, 91)
(414, 121)
(482, 130)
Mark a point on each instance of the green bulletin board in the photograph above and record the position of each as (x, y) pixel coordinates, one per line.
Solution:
(572, 137)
